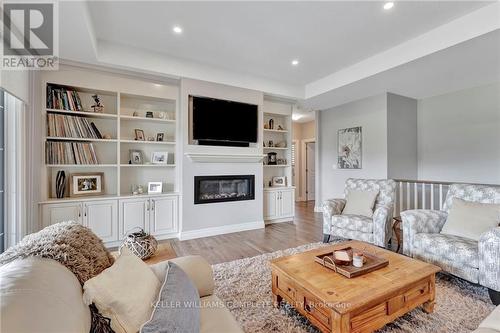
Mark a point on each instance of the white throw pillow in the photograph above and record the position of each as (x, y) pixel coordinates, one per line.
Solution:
(126, 292)
(360, 203)
(471, 219)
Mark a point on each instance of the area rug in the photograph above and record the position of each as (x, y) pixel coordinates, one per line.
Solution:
(245, 287)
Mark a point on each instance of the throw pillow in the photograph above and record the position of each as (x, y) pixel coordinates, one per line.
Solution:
(471, 219)
(360, 203)
(125, 292)
(178, 306)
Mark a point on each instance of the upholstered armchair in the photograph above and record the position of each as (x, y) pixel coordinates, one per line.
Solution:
(376, 229)
(474, 261)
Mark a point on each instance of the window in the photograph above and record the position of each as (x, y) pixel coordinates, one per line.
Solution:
(12, 144)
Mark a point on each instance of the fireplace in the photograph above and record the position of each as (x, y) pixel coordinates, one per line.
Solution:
(209, 189)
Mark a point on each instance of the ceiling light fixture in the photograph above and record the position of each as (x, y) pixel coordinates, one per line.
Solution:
(388, 5)
(295, 62)
(296, 117)
(177, 29)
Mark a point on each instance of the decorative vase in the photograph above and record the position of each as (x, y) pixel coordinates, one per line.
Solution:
(60, 184)
(271, 123)
(141, 244)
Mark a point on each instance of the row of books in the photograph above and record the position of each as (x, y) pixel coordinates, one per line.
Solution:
(70, 153)
(63, 99)
(71, 126)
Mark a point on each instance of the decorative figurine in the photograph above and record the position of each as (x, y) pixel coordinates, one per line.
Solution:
(149, 114)
(98, 107)
(135, 114)
(266, 126)
(271, 143)
(280, 128)
(271, 123)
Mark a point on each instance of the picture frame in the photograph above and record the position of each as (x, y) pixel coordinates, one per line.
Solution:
(86, 184)
(160, 136)
(139, 134)
(159, 157)
(136, 156)
(155, 187)
(349, 148)
(279, 181)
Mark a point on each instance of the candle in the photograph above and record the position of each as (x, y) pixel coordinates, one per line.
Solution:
(357, 259)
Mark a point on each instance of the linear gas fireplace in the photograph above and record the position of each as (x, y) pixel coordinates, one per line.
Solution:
(209, 189)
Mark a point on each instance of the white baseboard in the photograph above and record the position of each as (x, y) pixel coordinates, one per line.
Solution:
(280, 220)
(214, 231)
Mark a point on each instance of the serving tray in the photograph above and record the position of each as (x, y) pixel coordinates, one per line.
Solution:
(371, 263)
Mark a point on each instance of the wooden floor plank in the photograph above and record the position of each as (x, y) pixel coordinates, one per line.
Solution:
(306, 228)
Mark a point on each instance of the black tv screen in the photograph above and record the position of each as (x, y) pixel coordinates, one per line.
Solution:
(220, 122)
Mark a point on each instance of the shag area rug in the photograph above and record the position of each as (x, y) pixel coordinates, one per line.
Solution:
(245, 287)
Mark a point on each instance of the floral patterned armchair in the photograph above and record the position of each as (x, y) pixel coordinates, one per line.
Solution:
(375, 230)
(477, 262)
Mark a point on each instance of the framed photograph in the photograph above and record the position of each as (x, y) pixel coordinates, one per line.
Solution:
(136, 156)
(83, 184)
(159, 157)
(139, 134)
(155, 187)
(349, 148)
(279, 181)
(160, 136)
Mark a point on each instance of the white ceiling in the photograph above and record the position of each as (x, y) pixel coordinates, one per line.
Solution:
(261, 38)
(347, 50)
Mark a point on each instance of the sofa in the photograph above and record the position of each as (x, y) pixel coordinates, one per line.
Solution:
(474, 261)
(375, 230)
(490, 324)
(41, 295)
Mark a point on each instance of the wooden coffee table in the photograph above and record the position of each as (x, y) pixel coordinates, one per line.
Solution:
(334, 303)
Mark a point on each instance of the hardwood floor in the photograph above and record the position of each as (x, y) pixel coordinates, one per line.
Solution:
(306, 228)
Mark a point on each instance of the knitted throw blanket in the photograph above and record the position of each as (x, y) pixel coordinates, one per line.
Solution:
(69, 243)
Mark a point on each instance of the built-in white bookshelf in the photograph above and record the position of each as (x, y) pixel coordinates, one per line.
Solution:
(121, 115)
(277, 139)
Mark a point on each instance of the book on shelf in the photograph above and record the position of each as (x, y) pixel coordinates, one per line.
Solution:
(59, 125)
(63, 99)
(70, 153)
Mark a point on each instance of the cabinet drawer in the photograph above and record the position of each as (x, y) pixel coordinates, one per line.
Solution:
(362, 321)
(317, 310)
(286, 286)
(407, 298)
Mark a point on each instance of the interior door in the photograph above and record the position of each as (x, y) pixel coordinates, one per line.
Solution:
(164, 215)
(102, 218)
(310, 170)
(270, 205)
(134, 213)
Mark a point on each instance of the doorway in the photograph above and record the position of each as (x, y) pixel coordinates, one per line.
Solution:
(310, 175)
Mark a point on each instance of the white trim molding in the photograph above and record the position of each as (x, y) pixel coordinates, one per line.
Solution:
(226, 229)
(225, 158)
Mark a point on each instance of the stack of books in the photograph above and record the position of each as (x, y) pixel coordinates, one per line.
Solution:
(71, 127)
(70, 153)
(63, 99)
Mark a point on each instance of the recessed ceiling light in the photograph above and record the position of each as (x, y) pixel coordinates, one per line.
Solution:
(295, 62)
(177, 29)
(388, 5)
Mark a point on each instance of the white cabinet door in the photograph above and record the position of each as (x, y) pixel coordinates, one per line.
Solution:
(163, 215)
(133, 213)
(270, 205)
(102, 218)
(287, 202)
(60, 212)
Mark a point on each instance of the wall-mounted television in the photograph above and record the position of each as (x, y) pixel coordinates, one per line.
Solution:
(219, 122)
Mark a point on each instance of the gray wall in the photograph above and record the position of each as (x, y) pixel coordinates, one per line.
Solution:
(401, 137)
(459, 136)
(369, 113)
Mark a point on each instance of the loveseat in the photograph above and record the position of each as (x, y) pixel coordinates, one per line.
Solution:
(41, 295)
(469, 259)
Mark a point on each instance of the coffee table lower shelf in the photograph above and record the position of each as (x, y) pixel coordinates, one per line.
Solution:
(364, 318)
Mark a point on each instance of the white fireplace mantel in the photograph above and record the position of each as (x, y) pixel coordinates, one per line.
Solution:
(225, 158)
